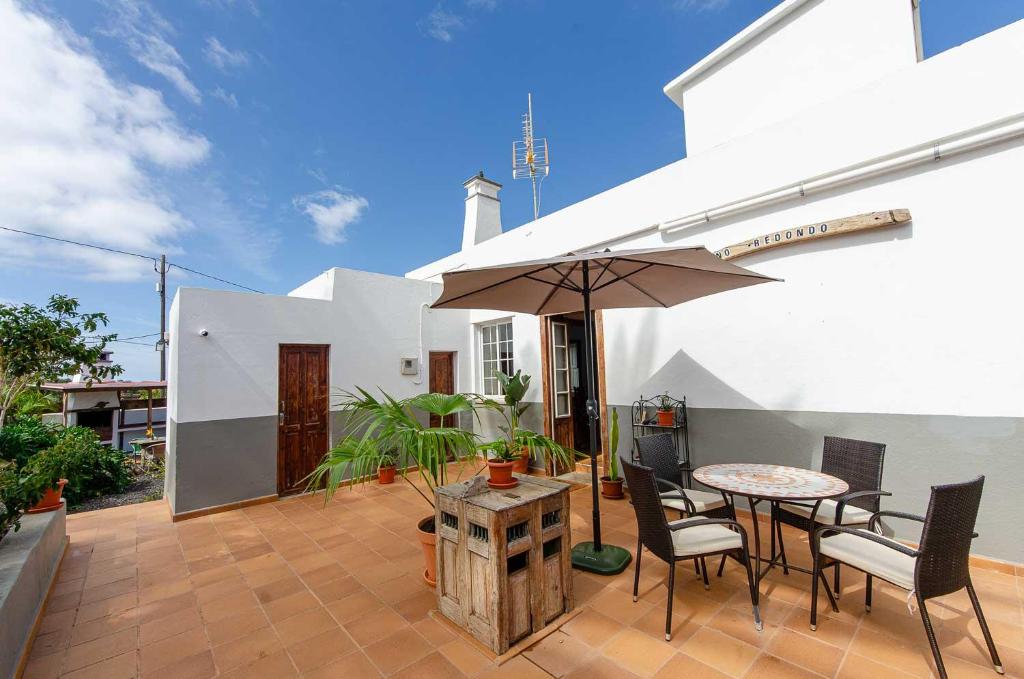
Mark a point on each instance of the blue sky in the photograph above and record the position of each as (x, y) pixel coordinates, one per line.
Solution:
(264, 141)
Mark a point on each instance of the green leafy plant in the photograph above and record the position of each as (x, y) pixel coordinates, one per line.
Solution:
(13, 501)
(613, 442)
(386, 426)
(664, 402)
(23, 437)
(91, 468)
(516, 438)
(48, 343)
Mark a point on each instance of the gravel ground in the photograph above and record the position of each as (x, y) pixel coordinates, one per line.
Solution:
(144, 488)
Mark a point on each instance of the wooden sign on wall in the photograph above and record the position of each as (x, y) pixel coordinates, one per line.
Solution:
(802, 234)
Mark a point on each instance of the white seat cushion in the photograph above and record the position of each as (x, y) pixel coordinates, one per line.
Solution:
(871, 557)
(702, 500)
(703, 539)
(827, 513)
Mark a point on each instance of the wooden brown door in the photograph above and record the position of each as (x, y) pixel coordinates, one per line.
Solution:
(302, 424)
(442, 378)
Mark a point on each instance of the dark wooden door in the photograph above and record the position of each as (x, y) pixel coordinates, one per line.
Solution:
(442, 378)
(302, 424)
(562, 410)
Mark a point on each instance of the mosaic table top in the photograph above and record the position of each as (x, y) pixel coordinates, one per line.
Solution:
(770, 481)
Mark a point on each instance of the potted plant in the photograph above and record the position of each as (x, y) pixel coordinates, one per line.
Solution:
(13, 501)
(43, 479)
(666, 411)
(386, 469)
(391, 424)
(611, 485)
(518, 444)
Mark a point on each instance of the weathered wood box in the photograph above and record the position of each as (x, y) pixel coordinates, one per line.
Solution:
(504, 567)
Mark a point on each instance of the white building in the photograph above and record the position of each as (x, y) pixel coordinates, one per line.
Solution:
(907, 335)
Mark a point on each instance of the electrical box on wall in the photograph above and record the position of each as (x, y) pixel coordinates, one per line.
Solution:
(410, 366)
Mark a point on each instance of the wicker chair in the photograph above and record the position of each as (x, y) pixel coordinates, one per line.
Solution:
(939, 566)
(681, 540)
(859, 463)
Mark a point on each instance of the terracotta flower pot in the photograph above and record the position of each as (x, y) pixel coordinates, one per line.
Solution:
(501, 474)
(386, 475)
(51, 500)
(428, 540)
(521, 465)
(611, 489)
(666, 418)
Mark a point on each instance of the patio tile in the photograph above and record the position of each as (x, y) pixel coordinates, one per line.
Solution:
(434, 632)
(638, 652)
(199, 666)
(434, 665)
(771, 667)
(354, 606)
(592, 628)
(320, 649)
(245, 650)
(333, 590)
(858, 667)
(170, 649)
(229, 629)
(397, 650)
(720, 651)
(274, 666)
(516, 668)
(464, 656)
(290, 605)
(558, 654)
(100, 649)
(682, 665)
(305, 625)
(912, 658)
(376, 625)
(180, 621)
(124, 666)
(600, 668)
(418, 606)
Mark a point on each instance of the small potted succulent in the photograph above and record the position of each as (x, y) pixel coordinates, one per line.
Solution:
(611, 485)
(666, 411)
(386, 464)
(502, 464)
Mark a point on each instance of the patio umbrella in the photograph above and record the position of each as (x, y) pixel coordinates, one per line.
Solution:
(655, 277)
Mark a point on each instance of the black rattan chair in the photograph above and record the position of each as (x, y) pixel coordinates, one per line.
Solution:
(859, 463)
(658, 451)
(681, 540)
(939, 566)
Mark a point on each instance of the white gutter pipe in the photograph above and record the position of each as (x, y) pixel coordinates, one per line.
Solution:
(962, 142)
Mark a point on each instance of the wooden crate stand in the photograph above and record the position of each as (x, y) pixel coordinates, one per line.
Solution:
(504, 567)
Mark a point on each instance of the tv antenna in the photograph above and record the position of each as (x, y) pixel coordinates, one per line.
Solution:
(530, 157)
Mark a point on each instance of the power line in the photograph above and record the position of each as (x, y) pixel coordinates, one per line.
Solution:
(130, 254)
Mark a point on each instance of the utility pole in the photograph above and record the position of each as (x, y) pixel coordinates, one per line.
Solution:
(161, 287)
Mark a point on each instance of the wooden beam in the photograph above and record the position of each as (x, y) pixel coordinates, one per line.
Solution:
(807, 232)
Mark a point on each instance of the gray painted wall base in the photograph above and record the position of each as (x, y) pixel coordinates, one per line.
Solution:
(921, 451)
(28, 561)
(220, 461)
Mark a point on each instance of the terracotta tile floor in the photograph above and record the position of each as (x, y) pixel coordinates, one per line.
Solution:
(295, 589)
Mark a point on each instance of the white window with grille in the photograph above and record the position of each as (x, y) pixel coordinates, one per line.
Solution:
(495, 355)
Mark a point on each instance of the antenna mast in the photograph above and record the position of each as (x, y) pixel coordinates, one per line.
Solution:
(530, 156)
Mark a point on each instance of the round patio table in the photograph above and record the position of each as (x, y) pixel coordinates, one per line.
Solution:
(772, 483)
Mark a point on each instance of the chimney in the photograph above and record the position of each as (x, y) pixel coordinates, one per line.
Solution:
(483, 211)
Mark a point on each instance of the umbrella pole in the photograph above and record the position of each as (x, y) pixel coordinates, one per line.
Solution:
(595, 556)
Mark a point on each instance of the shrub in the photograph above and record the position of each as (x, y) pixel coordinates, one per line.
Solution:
(23, 437)
(12, 500)
(91, 468)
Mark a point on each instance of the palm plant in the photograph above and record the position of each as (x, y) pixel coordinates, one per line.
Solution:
(516, 438)
(387, 428)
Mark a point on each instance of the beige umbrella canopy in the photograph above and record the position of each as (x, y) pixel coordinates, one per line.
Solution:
(655, 277)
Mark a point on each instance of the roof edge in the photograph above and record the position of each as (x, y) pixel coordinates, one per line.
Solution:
(674, 89)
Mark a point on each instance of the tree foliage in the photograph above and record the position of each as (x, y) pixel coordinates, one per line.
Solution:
(40, 344)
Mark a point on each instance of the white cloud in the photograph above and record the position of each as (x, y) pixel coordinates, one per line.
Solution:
(82, 156)
(146, 34)
(701, 5)
(482, 4)
(332, 211)
(223, 58)
(442, 24)
(228, 98)
(228, 5)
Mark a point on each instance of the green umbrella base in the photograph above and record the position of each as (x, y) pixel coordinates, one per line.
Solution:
(611, 560)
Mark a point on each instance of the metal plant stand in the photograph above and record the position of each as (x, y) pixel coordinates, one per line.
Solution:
(645, 422)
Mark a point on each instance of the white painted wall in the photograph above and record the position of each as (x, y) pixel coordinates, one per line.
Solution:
(778, 67)
(915, 319)
(371, 322)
